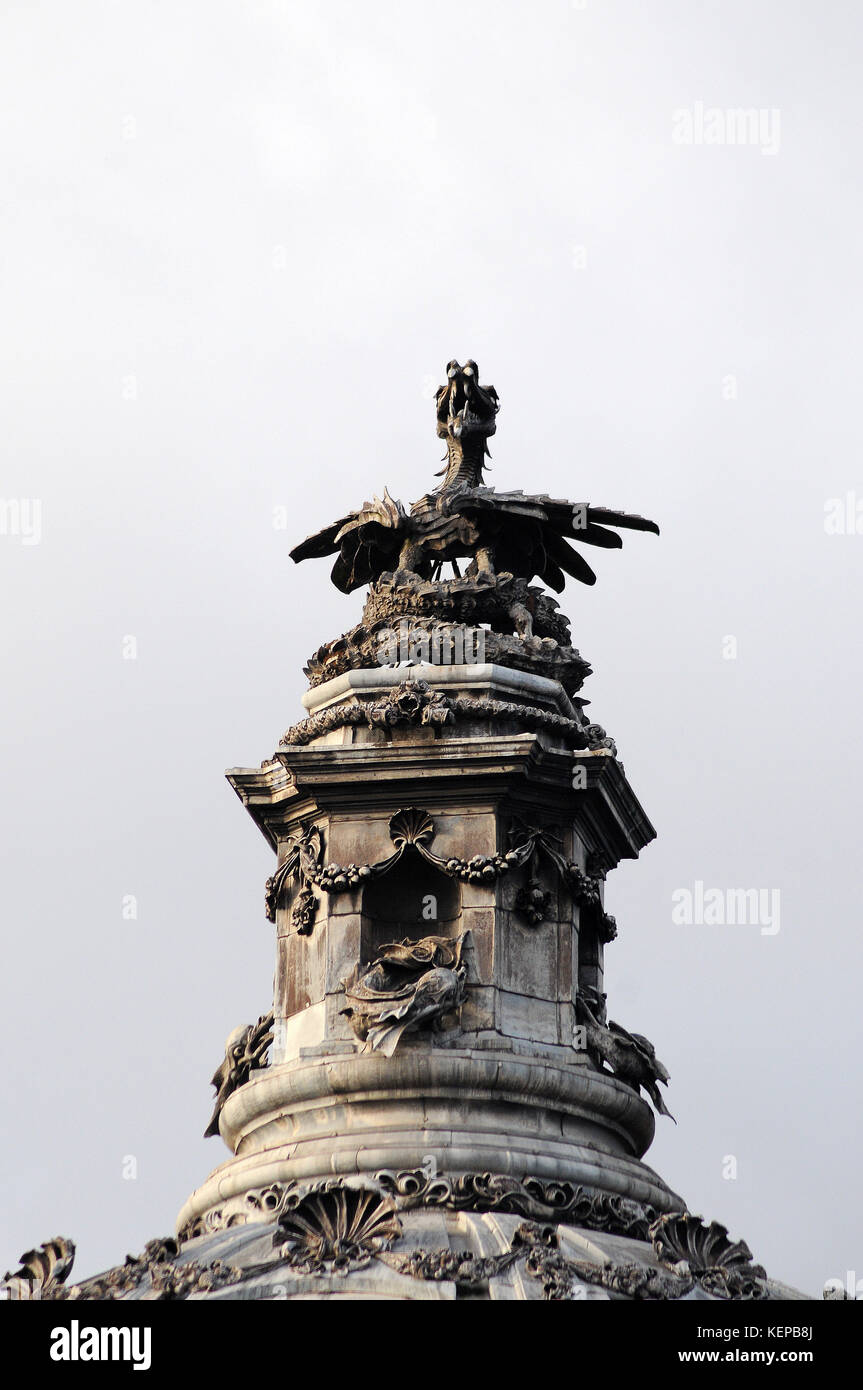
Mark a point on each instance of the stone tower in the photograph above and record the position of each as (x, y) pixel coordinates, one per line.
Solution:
(437, 1105)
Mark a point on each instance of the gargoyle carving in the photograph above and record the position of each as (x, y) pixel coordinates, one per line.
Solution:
(411, 984)
(499, 532)
(631, 1057)
(244, 1053)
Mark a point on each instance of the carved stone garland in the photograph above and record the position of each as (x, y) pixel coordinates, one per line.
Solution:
(538, 1246)
(413, 829)
(414, 702)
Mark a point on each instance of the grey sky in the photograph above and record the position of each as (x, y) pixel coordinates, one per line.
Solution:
(240, 241)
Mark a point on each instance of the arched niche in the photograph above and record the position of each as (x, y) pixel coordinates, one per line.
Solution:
(590, 953)
(413, 900)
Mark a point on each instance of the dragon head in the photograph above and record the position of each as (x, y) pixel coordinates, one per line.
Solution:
(466, 415)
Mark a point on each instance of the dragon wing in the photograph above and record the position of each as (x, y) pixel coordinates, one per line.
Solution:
(366, 541)
(321, 542)
(553, 520)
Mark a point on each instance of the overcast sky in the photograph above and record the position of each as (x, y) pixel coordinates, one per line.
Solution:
(240, 242)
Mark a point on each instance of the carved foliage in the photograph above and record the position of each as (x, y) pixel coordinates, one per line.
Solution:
(410, 830)
(462, 1267)
(532, 903)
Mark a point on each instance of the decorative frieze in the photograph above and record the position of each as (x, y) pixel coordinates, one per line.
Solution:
(538, 1198)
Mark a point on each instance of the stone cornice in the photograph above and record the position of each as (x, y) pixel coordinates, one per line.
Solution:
(314, 779)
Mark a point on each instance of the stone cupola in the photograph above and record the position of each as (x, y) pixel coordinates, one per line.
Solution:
(436, 1103)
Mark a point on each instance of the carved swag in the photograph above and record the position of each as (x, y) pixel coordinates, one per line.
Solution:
(413, 830)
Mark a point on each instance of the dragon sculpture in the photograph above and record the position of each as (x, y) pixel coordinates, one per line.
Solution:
(498, 532)
(631, 1056)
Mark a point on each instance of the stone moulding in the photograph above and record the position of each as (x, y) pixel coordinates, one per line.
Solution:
(415, 702)
(488, 1111)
